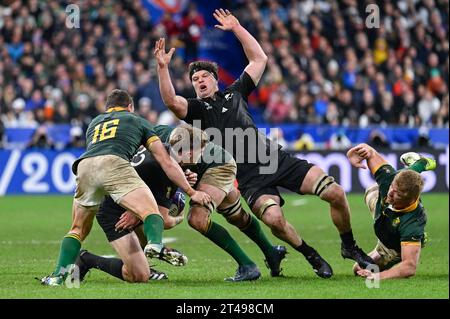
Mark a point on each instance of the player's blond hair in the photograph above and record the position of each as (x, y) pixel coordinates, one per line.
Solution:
(186, 133)
(409, 183)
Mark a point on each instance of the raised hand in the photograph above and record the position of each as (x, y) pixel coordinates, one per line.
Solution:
(355, 159)
(226, 19)
(161, 56)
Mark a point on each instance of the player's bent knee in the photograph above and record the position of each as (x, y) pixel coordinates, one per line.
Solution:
(337, 194)
(198, 221)
(193, 221)
(261, 211)
(330, 191)
(137, 274)
(142, 276)
(128, 274)
(274, 219)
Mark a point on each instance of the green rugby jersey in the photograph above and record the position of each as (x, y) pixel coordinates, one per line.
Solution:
(397, 227)
(163, 132)
(212, 156)
(117, 132)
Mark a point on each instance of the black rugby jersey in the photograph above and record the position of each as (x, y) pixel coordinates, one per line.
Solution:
(228, 113)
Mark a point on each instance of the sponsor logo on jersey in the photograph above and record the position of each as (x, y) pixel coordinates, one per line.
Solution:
(395, 222)
(228, 96)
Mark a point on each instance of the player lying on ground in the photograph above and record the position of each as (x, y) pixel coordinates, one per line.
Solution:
(126, 235)
(228, 109)
(104, 169)
(395, 205)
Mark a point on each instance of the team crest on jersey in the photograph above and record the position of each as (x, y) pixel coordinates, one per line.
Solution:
(228, 96)
(395, 222)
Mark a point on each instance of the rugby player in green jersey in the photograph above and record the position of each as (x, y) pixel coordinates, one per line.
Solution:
(104, 169)
(215, 171)
(399, 216)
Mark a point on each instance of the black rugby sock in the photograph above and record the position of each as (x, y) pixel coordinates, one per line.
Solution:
(305, 249)
(347, 239)
(112, 266)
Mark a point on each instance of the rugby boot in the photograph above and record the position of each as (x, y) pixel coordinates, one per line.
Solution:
(52, 280)
(273, 262)
(169, 255)
(319, 265)
(357, 254)
(245, 273)
(157, 275)
(410, 158)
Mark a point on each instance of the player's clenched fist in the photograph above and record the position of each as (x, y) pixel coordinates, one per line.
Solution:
(191, 177)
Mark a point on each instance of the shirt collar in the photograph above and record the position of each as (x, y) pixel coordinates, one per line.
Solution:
(116, 109)
(407, 209)
(217, 96)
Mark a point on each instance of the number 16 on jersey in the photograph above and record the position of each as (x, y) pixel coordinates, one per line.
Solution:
(105, 131)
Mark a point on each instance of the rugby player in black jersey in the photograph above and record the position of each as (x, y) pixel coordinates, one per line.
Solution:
(227, 112)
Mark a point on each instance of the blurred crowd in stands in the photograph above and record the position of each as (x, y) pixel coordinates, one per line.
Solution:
(325, 65)
(53, 74)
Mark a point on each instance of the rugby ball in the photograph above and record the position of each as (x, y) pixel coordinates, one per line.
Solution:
(178, 203)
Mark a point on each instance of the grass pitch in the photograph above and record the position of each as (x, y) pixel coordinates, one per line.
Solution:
(31, 229)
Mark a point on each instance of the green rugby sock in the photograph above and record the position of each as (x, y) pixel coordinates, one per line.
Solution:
(254, 232)
(220, 236)
(419, 166)
(70, 247)
(153, 228)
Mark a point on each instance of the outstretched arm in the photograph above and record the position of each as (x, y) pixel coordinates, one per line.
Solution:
(362, 152)
(406, 268)
(177, 104)
(253, 51)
